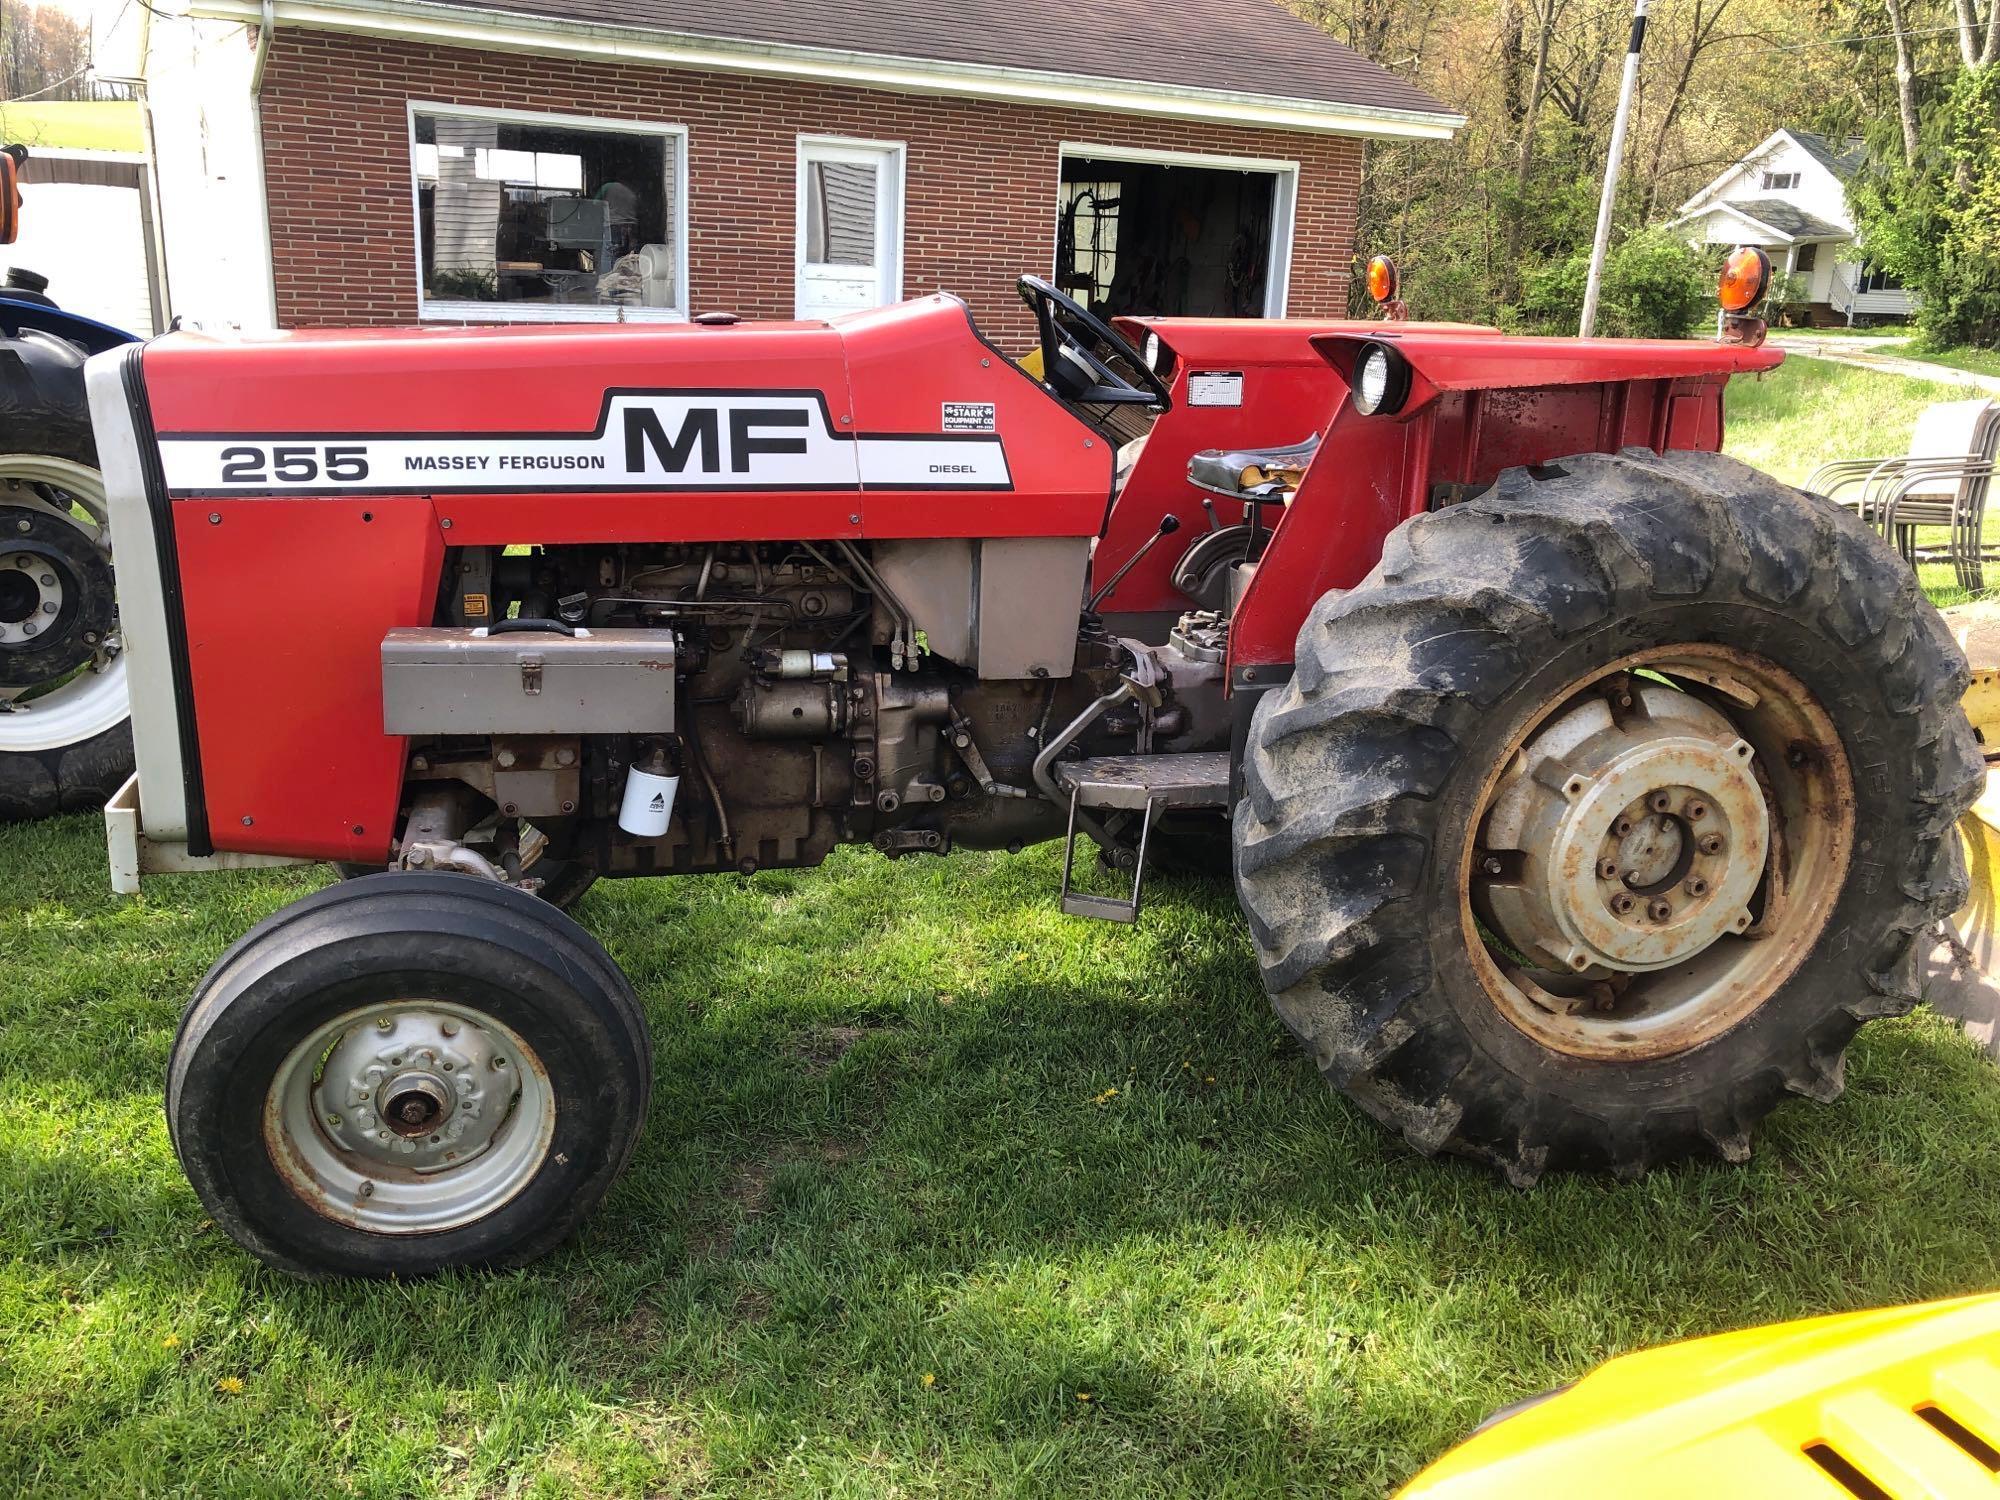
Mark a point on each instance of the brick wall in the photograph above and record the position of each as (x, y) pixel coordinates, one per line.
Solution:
(981, 176)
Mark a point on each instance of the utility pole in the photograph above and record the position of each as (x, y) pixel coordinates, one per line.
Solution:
(1616, 158)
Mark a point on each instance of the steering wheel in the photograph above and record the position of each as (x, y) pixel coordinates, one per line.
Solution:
(1071, 365)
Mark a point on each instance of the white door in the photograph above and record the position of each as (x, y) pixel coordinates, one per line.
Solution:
(850, 247)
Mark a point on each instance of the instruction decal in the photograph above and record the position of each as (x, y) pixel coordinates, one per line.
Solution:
(1215, 388)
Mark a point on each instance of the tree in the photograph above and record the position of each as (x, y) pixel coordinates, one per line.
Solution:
(44, 54)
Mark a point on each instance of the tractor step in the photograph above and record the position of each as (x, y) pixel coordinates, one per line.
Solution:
(1145, 784)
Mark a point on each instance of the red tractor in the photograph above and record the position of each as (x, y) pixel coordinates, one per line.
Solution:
(1584, 790)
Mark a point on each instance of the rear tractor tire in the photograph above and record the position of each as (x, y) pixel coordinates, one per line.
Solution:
(405, 1073)
(1602, 814)
(65, 730)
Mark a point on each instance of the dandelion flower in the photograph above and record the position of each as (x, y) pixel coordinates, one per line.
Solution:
(930, 1379)
(171, 1341)
(229, 1385)
(1084, 1396)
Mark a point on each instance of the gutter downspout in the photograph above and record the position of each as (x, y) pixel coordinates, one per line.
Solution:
(267, 24)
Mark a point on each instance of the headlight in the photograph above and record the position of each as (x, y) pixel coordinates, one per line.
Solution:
(1153, 353)
(1381, 381)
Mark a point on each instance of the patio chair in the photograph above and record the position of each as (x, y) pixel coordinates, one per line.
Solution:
(1942, 481)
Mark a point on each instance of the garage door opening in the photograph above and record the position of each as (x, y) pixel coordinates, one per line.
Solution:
(1174, 236)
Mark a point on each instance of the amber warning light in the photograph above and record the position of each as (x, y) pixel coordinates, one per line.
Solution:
(1746, 276)
(1384, 282)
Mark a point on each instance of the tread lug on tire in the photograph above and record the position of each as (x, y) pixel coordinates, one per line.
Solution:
(404, 1073)
(1494, 638)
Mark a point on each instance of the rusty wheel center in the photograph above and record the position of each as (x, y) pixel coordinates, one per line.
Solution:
(416, 1104)
(1603, 818)
(1658, 852)
(409, 1117)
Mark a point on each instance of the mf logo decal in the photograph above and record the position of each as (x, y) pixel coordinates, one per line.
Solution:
(644, 440)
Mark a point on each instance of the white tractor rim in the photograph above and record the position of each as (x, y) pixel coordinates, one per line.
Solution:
(409, 1117)
(95, 699)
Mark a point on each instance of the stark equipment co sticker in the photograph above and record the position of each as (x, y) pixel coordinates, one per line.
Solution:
(968, 416)
(644, 440)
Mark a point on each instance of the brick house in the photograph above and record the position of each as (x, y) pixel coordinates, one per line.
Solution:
(503, 160)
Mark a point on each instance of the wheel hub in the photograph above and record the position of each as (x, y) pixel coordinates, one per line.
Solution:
(31, 596)
(1641, 835)
(418, 1089)
(57, 603)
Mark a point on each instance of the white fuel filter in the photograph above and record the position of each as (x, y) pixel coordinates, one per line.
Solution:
(649, 801)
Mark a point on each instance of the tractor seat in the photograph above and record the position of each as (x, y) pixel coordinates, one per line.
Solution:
(1254, 476)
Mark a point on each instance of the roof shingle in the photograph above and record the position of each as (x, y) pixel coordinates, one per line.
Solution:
(1239, 46)
(1787, 219)
(1842, 163)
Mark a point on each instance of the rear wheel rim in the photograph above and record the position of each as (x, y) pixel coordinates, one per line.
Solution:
(1656, 852)
(76, 705)
(412, 1117)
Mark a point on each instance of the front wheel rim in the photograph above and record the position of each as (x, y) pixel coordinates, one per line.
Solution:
(1656, 852)
(412, 1117)
(93, 699)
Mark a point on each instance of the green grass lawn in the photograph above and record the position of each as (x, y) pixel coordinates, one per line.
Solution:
(1978, 361)
(1809, 411)
(942, 1194)
(1870, 331)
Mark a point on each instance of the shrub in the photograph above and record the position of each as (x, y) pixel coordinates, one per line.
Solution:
(1655, 286)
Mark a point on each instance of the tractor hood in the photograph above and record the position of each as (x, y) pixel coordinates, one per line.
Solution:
(896, 422)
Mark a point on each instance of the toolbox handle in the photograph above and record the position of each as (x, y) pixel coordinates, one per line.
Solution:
(511, 627)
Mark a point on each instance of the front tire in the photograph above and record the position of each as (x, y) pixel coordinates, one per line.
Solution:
(65, 731)
(1602, 814)
(405, 1073)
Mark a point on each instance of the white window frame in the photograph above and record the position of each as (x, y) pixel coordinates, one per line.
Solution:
(1284, 203)
(431, 309)
(1773, 183)
(898, 156)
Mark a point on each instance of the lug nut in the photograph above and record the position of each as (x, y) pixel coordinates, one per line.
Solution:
(1696, 886)
(1491, 865)
(1660, 802)
(1696, 810)
(1660, 910)
(1622, 827)
(1710, 843)
(1622, 903)
(1607, 869)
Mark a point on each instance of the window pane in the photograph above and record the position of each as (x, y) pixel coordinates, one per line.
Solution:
(840, 213)
(523, 212)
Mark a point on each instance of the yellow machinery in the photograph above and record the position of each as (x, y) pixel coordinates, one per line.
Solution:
(1899, 1404)
(1965, 974)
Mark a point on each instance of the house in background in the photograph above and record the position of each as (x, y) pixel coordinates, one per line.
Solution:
(1789, 197)
(583, 160)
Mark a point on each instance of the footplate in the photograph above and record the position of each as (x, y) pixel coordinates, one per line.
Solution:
(1147, 785)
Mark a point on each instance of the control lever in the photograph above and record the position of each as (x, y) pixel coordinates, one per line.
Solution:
(1168, 526)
